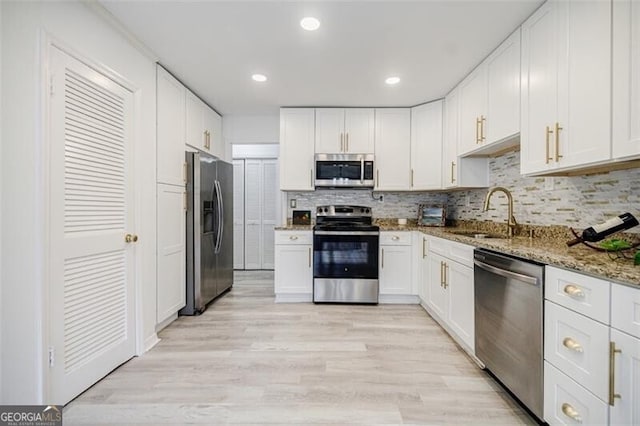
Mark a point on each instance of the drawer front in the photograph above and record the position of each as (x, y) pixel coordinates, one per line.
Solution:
(625, 314)
(390, 238)
(578, 346)
(461, 253)
(439, 245)
(294, 237)
(586, 295)
(568, 403)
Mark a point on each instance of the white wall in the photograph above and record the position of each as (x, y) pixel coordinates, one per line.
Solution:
(1, 97)
(251, 129)
(23, 243)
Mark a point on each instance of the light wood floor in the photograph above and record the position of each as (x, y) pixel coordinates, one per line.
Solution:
(247, 360)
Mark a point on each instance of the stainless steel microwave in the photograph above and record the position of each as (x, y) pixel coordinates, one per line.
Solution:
(344, 171)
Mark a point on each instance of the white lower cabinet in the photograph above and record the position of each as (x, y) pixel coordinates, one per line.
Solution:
(293, 274)
(568, 403)
(395, 263)
(171, 251)
(626, 385)
(459, 283)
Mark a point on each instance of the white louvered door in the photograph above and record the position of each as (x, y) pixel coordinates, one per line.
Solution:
(269, 173)
(92, 328)
(238, 214)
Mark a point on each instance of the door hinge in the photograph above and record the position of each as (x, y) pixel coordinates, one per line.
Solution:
(52, 356)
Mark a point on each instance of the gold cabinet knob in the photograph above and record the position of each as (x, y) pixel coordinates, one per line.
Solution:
(135, 238)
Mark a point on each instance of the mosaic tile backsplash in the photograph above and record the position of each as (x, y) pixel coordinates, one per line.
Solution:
(578, 202)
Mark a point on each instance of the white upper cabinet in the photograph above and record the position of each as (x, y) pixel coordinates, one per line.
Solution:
(344, 130)
(297, 128)
(472, 110)
(170, 129)
(456, 171)
(392, 148)
(566, 86)
(490, 101)
(626, 79)
(213, 130)
(195, 135)
(426, 146)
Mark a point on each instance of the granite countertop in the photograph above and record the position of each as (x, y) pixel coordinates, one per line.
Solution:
(548, 246)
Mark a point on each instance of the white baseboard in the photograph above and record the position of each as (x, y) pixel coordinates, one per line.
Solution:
(294, 298)
(166, 322)
(150, 342)
(402, 299)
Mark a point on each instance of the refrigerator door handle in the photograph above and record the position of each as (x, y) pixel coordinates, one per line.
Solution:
(220, 217)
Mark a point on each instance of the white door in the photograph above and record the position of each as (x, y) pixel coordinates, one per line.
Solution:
(459, 279)
(91, 210)
(253, 214)
(395, 269)
(269, 199)
(238, 214)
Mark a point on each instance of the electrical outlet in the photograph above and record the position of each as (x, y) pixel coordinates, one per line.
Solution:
(293, 203)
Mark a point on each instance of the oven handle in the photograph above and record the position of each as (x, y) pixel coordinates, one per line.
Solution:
(346, 233)
(507, 274)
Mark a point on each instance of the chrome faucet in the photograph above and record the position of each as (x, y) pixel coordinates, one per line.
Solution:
(511, 221)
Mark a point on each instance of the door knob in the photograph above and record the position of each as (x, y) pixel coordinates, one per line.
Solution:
(129, 238)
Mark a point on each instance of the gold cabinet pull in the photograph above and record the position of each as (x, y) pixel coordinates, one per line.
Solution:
(311, 177)
(446, 278)
(424, 250)
(441, 274)
(558, 128)
(548, 132)
(573, 345)
(341, 142)
(395, 238)
(377, 182)
(382, 259)
(571, 412)
(573, 291)
(347, 142)
(453, 164)
(184, 172)
(309, 257)
(483, 119)
(612, 371)
(184, 201)
(412, 178)
(477, 130)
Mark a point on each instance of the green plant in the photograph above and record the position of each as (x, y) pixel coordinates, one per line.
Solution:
(636, 259)
(615, 245)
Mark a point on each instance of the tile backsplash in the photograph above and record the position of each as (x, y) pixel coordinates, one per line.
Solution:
(578, 202)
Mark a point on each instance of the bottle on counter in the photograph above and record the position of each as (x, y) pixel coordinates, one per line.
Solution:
(599, 232)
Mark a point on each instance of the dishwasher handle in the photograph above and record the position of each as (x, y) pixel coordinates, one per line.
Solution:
(507, 274)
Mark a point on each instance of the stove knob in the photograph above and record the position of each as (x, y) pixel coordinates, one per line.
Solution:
(368, 210)
(361, 210)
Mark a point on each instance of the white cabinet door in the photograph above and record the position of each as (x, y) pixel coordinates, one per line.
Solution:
(330, 131)
(438, 297)
(626, 408)
(293, 269)
(450, 141)
(625, 312)
(503, 94)
(626, 79)
(395, 269)
(579, 346)
(426, 146)
(171, 251)
(297, 129)
(538, 98)
(584, 83)
(170, 129)
(459, 283)
(473, 114)
(213, 127)
(392, 146)
(195, 134)
(359, 128)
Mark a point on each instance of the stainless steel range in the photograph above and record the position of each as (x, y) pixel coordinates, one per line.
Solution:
(345, 255)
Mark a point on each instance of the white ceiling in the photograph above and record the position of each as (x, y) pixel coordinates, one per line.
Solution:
(215, 46)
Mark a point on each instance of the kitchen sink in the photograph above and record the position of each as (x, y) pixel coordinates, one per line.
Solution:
(477, 234)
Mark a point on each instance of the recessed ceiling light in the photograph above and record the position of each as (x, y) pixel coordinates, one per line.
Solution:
(310, 23)
(392, 80)
(259, 77)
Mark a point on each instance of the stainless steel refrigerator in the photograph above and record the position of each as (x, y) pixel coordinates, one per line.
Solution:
(209, 230)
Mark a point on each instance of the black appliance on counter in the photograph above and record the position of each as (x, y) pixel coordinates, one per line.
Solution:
(345, 255)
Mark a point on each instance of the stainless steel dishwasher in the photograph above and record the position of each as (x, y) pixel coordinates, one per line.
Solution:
(509, 323)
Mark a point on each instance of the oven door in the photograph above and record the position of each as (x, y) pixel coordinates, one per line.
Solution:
(345, 266)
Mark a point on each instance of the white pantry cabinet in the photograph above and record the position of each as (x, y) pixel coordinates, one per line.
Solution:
(344, 130)
(392, 149)
(297, 129)
(171, 251)
(490, 101)
(566, 87)
(426, 146)
(395, 263)
(459, 172)
(170, 128)
(626, 79)
(203, 127)
(293, 270)
(213, 126)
